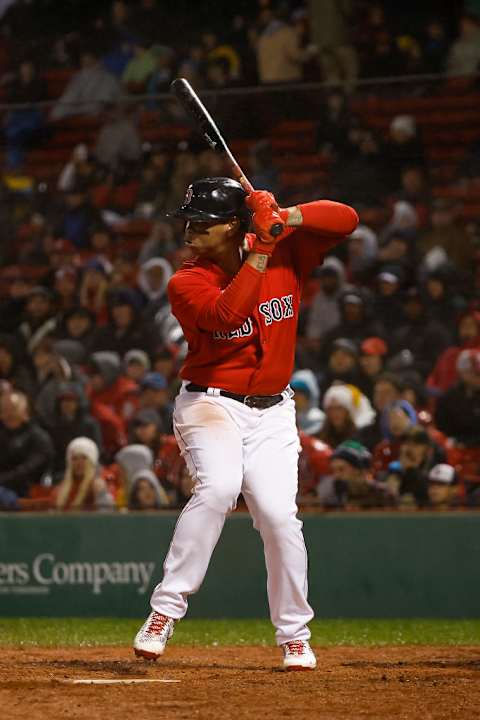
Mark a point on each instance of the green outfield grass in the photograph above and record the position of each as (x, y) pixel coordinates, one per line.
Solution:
(109, 631)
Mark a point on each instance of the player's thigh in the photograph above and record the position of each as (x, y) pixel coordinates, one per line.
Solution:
(211, 444)
(271, 467)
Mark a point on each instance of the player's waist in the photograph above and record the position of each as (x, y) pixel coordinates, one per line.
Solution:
(260, 402)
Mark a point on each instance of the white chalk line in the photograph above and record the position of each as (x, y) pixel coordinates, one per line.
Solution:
(117, 681)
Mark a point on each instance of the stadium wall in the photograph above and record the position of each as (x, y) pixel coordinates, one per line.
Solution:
(361, 565)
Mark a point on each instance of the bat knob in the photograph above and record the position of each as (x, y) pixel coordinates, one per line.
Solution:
(276, 229)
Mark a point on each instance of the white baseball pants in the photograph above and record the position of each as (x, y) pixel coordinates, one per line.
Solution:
(230, 449)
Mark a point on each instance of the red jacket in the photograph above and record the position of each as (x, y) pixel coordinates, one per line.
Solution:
(241, 332)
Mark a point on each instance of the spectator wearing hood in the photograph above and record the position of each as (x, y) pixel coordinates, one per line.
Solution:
(125, 331)
(307, 394)
(407, 475)
(146, 492)
(52, 368)
(77, 324)
(439, 296)
(357, 320)
(71, 419)
(371, 360)
(458, 410)
(398, 254)
(39, 320)
(346, 410)
(362, 251)
(396, 420)
(424, 337)
(130, 460)
(27, 451)
(444, 373)
(324, 311)
(83, 487)
(153, 280)
(13, 368)
(136, 364)
(387, 388)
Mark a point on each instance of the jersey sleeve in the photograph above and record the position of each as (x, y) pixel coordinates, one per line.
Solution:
(325, 224)
(198, 303)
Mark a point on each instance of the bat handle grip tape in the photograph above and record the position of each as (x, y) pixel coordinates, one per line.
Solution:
(276, 229)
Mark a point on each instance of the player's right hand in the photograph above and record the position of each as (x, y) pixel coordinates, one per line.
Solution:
(266, 214)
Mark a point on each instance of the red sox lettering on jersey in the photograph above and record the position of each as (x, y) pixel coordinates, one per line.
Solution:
(241, 331)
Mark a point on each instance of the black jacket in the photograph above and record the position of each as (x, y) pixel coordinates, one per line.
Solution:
(27, 454)
(458, 414)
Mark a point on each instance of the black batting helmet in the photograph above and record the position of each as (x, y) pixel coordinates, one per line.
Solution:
(217, 198)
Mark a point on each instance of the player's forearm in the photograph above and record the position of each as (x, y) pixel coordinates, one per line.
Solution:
(238, 300)
(323, 216)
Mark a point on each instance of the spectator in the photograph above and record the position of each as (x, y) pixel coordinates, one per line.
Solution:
(108, 386)
(140, 68)
(94, 287)
(458, 410)
(313, 470)
(342, 364)
(78, 217)
(387, 389)
(435, 47)
(125, 330)
(39, 320)
(307, 394)
(136, 364)
(372, 357)
(357, 321)
(79, 170)
(407, 477)
(440, 297)
(346, 411)
(263, 171)
(444, 374)
(153, 280)
(78, 324)
(396, 421)
(365, 179)
(384, 57)
(445, 240)
(160, 242)
(279, 57)
(118, 140)
(362, 252)
(82, 487)
(71, 419)
(27, 452)
(65, 288)
(88, 90)
(403, 148)
(128, 462)
(464, 55)
(51, 370)
(163, 73)
(397, 255)
(324, 311)
(13, 368)
(443, 487)
(146, 493)
(24, 125)
(425, 338)
(353, 484)
(334, 124)
(154, 396)
(388, 298)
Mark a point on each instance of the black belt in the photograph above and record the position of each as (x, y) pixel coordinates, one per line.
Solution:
(261, 402)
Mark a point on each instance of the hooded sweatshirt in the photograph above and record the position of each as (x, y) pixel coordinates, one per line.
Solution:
(311, 420)
(325, 312)
(161, 496)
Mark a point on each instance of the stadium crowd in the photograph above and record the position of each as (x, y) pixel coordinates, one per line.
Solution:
(387, 379)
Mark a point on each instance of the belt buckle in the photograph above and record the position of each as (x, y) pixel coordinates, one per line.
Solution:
(248, 400)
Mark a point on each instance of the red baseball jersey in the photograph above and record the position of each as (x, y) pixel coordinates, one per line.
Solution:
(241, 331)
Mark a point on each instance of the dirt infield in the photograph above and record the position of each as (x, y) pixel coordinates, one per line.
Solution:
(418, 683)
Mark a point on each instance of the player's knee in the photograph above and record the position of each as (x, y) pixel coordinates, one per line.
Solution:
(221, 498)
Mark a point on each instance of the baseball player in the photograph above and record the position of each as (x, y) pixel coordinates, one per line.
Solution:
(237, 301)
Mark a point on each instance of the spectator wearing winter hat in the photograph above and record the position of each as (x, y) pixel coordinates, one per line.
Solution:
(425, 338)
(458, 410)
(136, 364)
(154, 396)
(125, 330)
(396, 420)
(71, 419)
(352, 482)
(324, 313)
(444, 373)
(443, 491)
(407, 476)
(146, 492)
(82, 487)
(307, 394)
(346, 410)
(372, 357)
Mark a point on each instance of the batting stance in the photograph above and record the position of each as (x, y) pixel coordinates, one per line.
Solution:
(234, 419)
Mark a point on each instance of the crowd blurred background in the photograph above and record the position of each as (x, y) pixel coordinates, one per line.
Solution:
(382, 114)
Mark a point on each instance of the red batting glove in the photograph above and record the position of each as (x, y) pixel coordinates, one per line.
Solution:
(266, 213)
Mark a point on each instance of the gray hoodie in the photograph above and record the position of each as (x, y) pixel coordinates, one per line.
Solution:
(161, 496)
(324, 312)
(134, 458)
